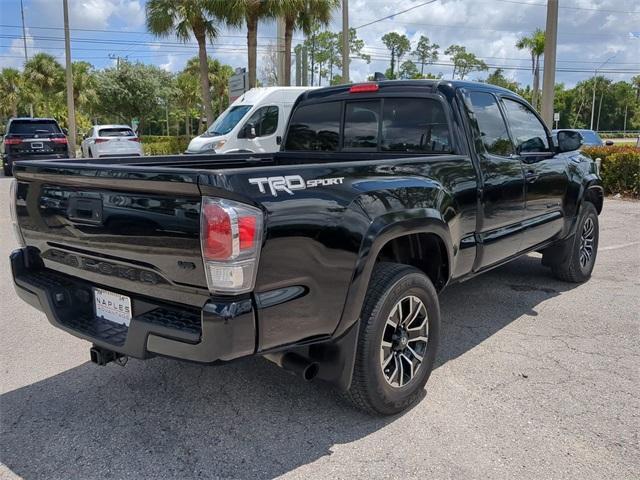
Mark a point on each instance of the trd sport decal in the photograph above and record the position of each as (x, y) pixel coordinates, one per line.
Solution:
(289, 183)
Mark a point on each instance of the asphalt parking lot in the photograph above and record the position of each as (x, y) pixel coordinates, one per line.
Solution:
(535, 378)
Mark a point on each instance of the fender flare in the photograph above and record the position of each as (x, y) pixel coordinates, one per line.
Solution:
(382, 230)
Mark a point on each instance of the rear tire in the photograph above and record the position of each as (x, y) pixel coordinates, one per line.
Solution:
(582, 249)
(7, 170)
(397, 342)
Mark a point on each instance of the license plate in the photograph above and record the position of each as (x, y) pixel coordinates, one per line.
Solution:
(112, 306)
(37, 145)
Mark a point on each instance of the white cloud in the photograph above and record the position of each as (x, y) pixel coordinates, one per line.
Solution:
(14, 56)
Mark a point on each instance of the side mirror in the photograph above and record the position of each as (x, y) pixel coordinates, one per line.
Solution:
(250, 131)
(609, 143)
(569, 141)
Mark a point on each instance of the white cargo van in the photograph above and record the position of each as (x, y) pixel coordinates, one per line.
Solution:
(254, 122)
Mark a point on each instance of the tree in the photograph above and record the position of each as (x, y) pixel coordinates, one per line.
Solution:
(302, 15)
(498, 78)
(84, 85)
(535, 45)
(252, 11)
(46, 77)
(133, 90)
(191, 17)
(186, 95)
(398, 44)
(218, 75)
(464, 62)
(408, 70)
(425, 52)
(10, 91)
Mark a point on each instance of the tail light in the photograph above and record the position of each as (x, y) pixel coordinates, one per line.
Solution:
(12, 141)
(101, 140)
(13, 208)
(134, 139)
(60, 140)
(230, 237)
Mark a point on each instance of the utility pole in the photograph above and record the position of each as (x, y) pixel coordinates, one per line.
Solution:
(345, 41)
(24, 40)
(549, 75)
(70, 104)
(595, 83)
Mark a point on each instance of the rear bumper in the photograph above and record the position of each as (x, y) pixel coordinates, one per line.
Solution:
(9, 159)
(220, 331)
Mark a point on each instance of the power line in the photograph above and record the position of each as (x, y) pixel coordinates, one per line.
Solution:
(126, 32)
(571, 8)
(397, 13)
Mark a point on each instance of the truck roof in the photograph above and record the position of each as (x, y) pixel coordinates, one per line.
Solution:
(433, 85)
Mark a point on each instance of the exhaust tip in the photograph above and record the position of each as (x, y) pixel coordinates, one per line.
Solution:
(311, 371)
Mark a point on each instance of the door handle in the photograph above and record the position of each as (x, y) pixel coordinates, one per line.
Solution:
(531, 176)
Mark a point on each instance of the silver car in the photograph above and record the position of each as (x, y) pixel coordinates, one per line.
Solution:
(110, 141)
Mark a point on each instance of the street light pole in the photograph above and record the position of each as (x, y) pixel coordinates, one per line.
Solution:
(345, 41)
(549, 76)
(71, 111)
(595, 83)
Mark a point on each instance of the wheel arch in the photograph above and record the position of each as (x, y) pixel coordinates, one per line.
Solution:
(384, 233)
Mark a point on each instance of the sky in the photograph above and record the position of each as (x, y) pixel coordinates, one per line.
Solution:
(590, 33)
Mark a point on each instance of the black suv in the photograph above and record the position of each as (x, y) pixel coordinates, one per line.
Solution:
(32, 138)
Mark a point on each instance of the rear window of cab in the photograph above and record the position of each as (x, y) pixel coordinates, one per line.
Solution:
(388, 124)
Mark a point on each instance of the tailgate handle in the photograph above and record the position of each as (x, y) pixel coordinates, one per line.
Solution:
(87, 210)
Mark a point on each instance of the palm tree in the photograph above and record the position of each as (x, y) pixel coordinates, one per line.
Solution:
(85, 93)
(253, 11)
(45, 75)
(10, 91)
(302, 15)
(535, 45)
(191, 17)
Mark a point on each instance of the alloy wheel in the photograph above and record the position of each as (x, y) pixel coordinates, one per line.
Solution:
(587, 238)
(404, 341)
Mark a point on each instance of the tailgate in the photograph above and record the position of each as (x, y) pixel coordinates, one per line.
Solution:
(127, 228)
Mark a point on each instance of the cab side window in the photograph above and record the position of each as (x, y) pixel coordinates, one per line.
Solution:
(414, 125)
(528, 132)
(494, 136)
(264, 120)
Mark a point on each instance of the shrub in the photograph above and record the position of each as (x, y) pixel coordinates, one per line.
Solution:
(161, 145)
(620, 168)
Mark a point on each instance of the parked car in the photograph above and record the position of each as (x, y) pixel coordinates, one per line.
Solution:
(111, 141)
(32, 138)
(326, 257)
(253, 123)
(590, 138)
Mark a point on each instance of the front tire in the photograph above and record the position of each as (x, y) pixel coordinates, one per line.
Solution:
(397, 342)
(582, 249)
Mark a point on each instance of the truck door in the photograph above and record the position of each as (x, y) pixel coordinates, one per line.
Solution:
(545, 174)
(502, 181)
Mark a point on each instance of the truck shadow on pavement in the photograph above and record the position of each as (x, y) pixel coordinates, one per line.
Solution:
(247, 419)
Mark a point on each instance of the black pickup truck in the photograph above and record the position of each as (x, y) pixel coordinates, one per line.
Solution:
(326, 257)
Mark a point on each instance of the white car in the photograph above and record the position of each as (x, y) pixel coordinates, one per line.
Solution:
(110, 141)
(253, 123)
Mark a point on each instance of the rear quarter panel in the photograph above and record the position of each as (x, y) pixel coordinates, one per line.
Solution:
(321, 242)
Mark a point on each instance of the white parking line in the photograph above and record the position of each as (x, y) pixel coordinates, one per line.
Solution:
(616, 247)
